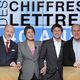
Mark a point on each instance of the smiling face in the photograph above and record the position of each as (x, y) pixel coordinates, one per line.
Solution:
(57, 33)
(76, 32)
(30, 34)
(8, 32)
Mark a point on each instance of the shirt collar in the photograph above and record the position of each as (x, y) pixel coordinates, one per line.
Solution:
(56, 40)
(76, 41)
(5, 39)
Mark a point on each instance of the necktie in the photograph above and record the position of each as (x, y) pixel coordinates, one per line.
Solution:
(7, 46)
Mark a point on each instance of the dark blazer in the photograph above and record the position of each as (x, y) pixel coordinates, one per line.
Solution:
(68, 53)
(7, 58)
(53, 63)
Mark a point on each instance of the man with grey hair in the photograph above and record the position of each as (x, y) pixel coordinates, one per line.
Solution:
(71, 49)
(8, 48)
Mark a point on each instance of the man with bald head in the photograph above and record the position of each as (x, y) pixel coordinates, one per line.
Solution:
(8, 48)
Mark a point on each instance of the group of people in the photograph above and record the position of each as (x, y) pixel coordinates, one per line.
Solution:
(37, 59)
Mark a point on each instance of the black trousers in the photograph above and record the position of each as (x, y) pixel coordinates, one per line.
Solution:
(34, 77)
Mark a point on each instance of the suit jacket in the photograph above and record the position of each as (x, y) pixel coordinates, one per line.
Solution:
(68, 53)
(53, 63)
(30, 64)
(7, 58)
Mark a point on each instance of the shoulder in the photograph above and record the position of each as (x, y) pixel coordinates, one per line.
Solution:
(38, 43)
(21, 43)
(68, 44)
(1, 38)
(13, 43)
(69, 41)
(63, 42)
(48, 41)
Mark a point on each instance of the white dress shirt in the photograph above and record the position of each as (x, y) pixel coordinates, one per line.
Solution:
(6, 41)
(57, 46)
(76, 48)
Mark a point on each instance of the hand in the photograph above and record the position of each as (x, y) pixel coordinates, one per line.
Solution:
(19, 65)
(43, 70)
(77, 64)
(13, 64)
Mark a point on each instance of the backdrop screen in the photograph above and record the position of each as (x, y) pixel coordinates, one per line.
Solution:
(41, 14)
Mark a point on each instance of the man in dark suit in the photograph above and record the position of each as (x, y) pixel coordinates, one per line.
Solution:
(8, 48)
(51, 51)
(71, 50)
